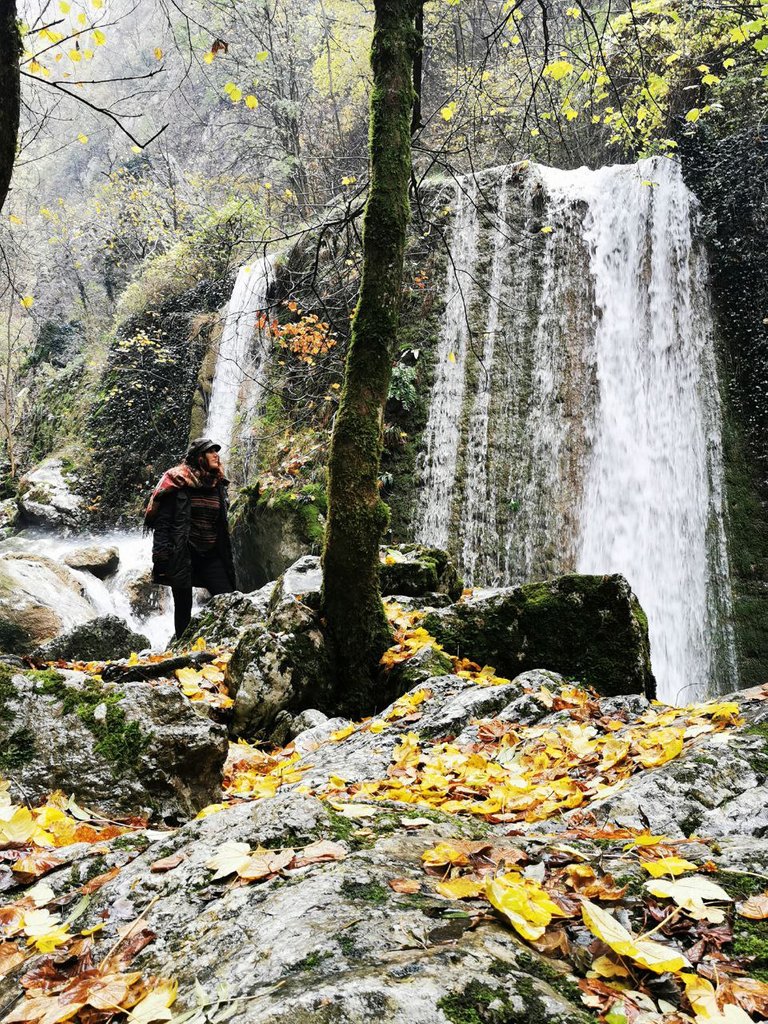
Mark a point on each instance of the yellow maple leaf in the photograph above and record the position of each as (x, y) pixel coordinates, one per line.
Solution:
(653, 955)
(462, 888)
(444, 854)
(668, 866)
(154, 1005)
(524, 903)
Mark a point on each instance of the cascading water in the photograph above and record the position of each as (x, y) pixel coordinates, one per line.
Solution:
(239, 360)
(580, 430)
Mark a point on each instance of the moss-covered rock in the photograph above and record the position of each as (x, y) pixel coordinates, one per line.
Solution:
(414, 570)
(591, 628)
(272, 529)
(119, 749)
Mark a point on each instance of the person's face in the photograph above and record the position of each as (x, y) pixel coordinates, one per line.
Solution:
(211, 461)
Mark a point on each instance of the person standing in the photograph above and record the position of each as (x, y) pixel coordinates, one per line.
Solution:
(187, 514)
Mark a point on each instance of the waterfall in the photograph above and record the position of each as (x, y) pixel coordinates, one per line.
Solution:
(238, 359)
(578, 428)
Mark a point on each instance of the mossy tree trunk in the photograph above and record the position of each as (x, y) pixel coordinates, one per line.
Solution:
(10, 93)
(357, 517)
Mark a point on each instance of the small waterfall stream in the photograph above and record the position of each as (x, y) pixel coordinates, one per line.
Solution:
(578, 428)
(239, 360)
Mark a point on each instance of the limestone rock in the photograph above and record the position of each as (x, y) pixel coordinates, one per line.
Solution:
(227, 616)
(9, 514)
(46, 498)
(279, 665)
(333, 942)
(119, 749)
(39, 598)
(104, 638)
(414, 570)
(145, 597)
(590, 628)
(98, 560)
(717, 787)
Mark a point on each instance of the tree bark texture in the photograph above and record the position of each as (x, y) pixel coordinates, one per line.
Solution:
(357, 516)
(10, 93)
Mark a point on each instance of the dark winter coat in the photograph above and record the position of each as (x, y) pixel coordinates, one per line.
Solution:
(171, 554)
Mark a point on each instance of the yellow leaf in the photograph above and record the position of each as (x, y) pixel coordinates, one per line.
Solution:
(98, 4)
(251, 101)
(27, 301)
(558, 69)
(21, 826)
(444, 854)
(98, 37)
(14, 219)
(546, 230)
(523, 902)
(451, 357)
(448, 111)
(82, 138)
(262, 55)
(75, 55)
(341, 734)
(154, 1005)
(158, 53)
(693, 115)
(645, 952)
(463, 888)
(64, 7)
(209, 57)
(690, 893)
(44, 930)
(668, 866)
(377, 726)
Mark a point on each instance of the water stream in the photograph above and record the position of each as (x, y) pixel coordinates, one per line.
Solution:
(578, 428)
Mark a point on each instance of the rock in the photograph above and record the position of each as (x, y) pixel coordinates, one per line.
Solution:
(590, 628)
(331, 943)
(38, 599)
(226, 616)
(273, 529)
(99, 561)
(128, 749)
(105, 638)
(9, 514)
(414, 570)
(145, 597)
(716, 787)
(427, 662)
(302, 580)
(281, 664)
(46, 498)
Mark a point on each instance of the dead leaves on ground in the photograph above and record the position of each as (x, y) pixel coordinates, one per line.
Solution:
(261, 864)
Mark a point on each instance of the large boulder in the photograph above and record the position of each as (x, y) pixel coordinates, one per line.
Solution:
(226, 617)
(105, 638)
(590, 628)
(99, 561)
(278, 665)
(128, 749)
(39, 598)
(46, 498)
(272, 529)
(144, 595)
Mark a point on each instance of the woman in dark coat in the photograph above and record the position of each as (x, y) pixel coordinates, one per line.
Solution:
(188, 514)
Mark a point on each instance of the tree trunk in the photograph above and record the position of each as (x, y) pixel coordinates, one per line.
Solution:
(10, 93)
(357, 516)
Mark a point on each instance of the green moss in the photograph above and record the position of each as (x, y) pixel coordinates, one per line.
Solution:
(483, 1004)
(19, 744)
(537, 967)
(738, 885)
(119, 741)
(370, 892)
(310, 962)
(347, 944)
(135, 841)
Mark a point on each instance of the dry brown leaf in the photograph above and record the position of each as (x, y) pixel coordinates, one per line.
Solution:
(99, 880)
(323, 850)
(167, 863)
(755, 908)
(404, 885)
(10, 956)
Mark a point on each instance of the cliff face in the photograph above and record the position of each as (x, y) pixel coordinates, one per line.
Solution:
(729, 174)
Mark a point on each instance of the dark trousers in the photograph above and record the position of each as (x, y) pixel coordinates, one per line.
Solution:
(208, 571)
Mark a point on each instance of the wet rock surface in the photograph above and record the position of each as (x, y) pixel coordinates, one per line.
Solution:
(39, 598)
(95, 559)
(99, 639)
(46, 499)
